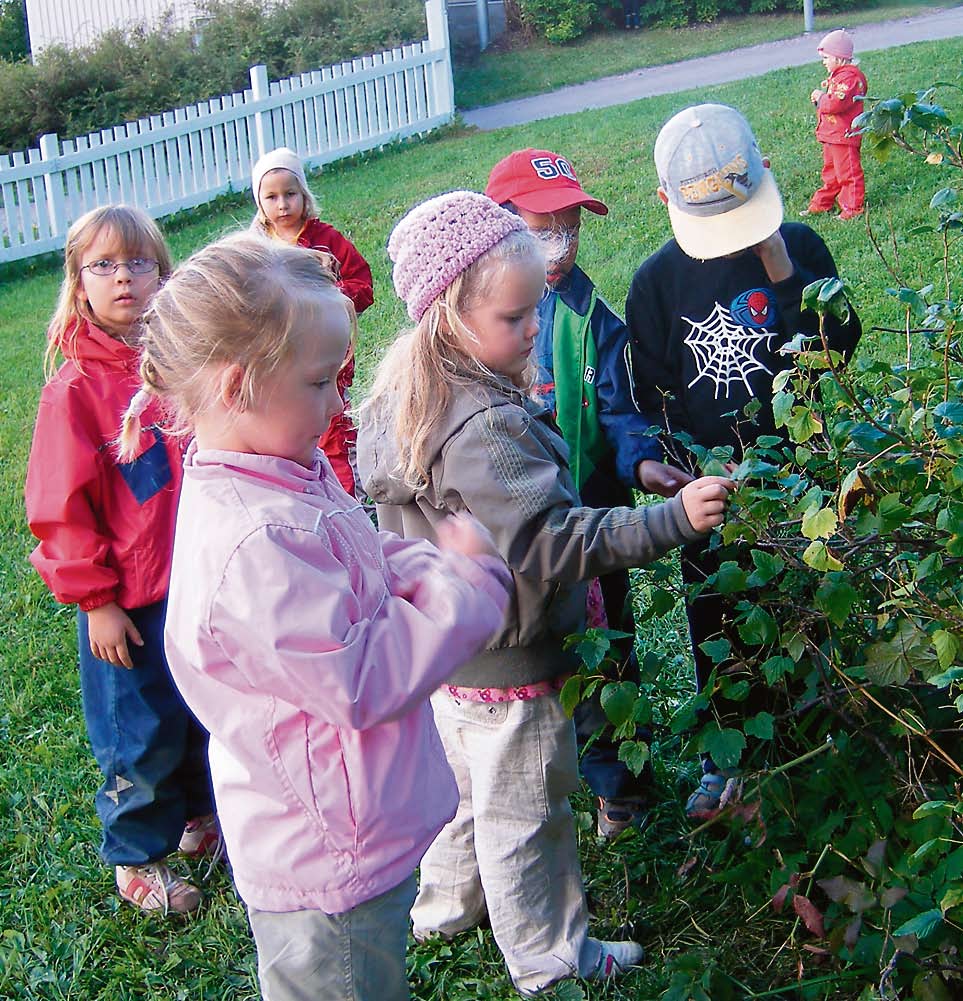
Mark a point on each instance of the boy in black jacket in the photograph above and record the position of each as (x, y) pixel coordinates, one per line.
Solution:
(707, 315)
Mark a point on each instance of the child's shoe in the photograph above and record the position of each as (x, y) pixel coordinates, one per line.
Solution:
(848, 214)
(154, 887)
(615, 959)
(202, 838)
(618, 815)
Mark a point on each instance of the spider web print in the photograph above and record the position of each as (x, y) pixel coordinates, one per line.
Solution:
(725, 351)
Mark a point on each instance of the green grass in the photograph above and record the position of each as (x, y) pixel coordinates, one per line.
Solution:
(503, 74)
(65, 935)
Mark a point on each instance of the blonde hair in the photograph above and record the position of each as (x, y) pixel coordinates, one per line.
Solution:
(137, 234)
(236, 302)
(261, 224)
(416, 377)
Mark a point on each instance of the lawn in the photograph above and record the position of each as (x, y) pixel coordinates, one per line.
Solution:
(65, 934)
(503, 73)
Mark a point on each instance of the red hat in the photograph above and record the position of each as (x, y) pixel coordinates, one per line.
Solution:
(539, 181)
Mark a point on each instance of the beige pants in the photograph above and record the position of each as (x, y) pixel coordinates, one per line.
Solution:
(511, 847)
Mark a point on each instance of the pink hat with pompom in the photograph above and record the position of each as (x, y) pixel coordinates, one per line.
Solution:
(838, 43)
(439, 239)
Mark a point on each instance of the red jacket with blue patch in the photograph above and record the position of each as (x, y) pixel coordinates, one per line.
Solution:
(105, 528)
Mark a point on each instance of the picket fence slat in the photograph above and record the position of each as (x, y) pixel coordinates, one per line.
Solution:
(185, 157)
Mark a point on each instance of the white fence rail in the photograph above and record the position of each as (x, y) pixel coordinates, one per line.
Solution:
(189, 156)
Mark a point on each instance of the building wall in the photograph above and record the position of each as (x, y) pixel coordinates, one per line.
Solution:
(79, 22)
(463, 22)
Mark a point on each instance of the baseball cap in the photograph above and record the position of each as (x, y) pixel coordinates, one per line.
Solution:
(838, 43)
(721, 198)
(538, 180)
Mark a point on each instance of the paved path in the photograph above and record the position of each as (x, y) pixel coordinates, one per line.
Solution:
(706, 70)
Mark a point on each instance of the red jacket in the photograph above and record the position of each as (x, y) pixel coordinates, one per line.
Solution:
(840, 105)
(339, 442)
(106, 529)
(355, 278)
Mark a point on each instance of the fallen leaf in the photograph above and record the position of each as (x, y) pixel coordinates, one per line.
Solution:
(809, 914)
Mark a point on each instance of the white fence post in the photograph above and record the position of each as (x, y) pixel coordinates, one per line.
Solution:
(436, 14)
(53, 184)
(263, 128)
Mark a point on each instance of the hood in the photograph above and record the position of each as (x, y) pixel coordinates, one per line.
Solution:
(92, 344)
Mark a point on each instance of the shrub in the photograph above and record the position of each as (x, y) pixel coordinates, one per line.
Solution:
(560, 20)
(13, 31)
(130, 74)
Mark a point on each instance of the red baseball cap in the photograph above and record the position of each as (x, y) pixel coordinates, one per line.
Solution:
(538, 180)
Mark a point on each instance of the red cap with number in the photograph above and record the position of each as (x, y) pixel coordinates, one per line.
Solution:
(538, 180)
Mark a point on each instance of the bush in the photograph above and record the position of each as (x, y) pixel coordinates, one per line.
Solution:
(13, 30)
(841, 556)
(560, 20)
(131, 74)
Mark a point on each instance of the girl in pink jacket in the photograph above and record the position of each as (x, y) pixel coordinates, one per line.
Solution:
(304, 640)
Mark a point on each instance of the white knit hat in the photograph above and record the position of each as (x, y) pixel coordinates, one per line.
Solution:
(281, 158)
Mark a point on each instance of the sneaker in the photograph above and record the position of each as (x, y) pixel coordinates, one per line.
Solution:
(707, 795)
(811, 211)
(202, 838)
(616, 958)
(154, 887)
(618, 815)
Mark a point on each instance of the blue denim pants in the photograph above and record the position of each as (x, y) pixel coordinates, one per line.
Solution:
(150, 748)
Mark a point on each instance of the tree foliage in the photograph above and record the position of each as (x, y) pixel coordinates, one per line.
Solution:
(842, 558)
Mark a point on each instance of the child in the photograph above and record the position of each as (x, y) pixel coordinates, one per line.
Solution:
(106, 529)
(580, 352)
(306, 642)
(286, 211)
(450, 426)
(707, 315)
(838, 100)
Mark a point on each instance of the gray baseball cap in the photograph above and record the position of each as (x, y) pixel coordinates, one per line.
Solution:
(721, 197)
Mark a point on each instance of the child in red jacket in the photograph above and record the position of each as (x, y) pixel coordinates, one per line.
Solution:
(838, 100)
(286, 211)
(105, 531)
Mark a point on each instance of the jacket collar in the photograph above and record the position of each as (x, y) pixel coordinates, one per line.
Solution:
(204, 462)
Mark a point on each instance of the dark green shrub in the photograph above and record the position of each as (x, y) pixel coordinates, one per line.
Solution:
(131, 74)
(13, 30)
(560, 20)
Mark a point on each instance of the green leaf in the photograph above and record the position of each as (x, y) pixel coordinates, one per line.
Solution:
(571, 694)
(759, 627)
(946, 647)
(634, 754)
(836, 597)
(782, 404)
(952, 898)
(933, 806)
(818, 556)
(716, 650)
(820, 524)
(768, 566)
(730, 578)
(803, 424)
(724, 746)
(775, 667)
(761, 725)
(893, 661)
(921, 925)
(618, 701)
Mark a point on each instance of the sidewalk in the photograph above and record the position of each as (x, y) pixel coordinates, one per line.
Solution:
(723, 67)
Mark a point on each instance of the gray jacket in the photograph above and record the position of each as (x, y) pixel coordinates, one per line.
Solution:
(498, 454)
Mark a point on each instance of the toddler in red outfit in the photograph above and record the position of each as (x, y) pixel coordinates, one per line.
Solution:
(838, 100)
(286, 211)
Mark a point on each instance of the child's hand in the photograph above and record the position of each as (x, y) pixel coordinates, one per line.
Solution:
(775, 257)
(464, 534)
(815, 96)
(109, 627)
(660, 478)
(705, 500)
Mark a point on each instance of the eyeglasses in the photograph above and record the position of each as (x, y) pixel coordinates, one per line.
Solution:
(136, 266)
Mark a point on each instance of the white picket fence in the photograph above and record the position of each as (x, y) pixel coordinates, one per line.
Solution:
(189, 156)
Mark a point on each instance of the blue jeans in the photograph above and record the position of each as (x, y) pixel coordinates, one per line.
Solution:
(150, 748)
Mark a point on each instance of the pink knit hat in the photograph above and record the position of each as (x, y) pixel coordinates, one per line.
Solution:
(439, 239)
(838, 43)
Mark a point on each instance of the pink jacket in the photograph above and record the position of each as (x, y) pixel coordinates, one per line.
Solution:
(307, 643)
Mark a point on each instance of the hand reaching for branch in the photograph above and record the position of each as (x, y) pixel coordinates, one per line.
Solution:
(705, 501)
